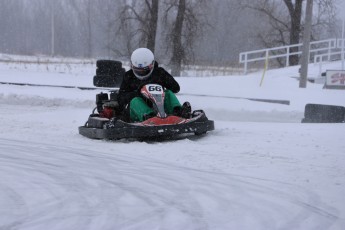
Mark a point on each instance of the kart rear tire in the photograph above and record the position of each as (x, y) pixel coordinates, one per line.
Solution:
(111, 81)
(108, 67)
(101, 64)
(109, 71)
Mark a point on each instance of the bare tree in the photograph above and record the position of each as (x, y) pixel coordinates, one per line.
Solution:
(140, 20)
(286, 25)
(325, 17)
(187, 25)
(208, 31)
(89, 28)
(106, 25)
(178, 54)
(295, 12)
(153, 24)
(83, 9)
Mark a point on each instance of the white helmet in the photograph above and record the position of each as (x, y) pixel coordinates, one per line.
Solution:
(142, 61)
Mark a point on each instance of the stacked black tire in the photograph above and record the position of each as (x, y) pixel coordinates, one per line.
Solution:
(109, 73)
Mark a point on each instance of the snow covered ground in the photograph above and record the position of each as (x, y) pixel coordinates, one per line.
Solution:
(260, 169)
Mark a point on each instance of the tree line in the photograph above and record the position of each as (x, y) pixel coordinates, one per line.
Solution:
(179, 32)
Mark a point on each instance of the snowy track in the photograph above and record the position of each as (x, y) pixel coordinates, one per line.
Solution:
(260, 169)
(52, 187)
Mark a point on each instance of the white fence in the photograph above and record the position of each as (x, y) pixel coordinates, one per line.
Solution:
(325, 48)
(337, 55)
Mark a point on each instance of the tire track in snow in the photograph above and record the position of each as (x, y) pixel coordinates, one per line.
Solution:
(55, 187)
(32, 100)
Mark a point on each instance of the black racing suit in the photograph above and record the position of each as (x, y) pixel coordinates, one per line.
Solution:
(131, 85)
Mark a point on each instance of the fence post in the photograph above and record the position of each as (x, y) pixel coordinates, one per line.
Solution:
(245, 63)
(329, 50)
(266, 59)
(287, 56)
(265, 68)
(320, 66)
(342, 45)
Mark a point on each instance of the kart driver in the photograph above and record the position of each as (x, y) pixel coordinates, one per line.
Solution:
(144, 70)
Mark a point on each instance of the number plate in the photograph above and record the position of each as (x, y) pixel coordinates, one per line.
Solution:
(154, 89)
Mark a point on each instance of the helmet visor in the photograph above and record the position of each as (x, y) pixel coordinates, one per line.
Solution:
(142, 72)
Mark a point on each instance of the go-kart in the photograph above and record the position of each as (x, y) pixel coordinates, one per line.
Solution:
(109, 122)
